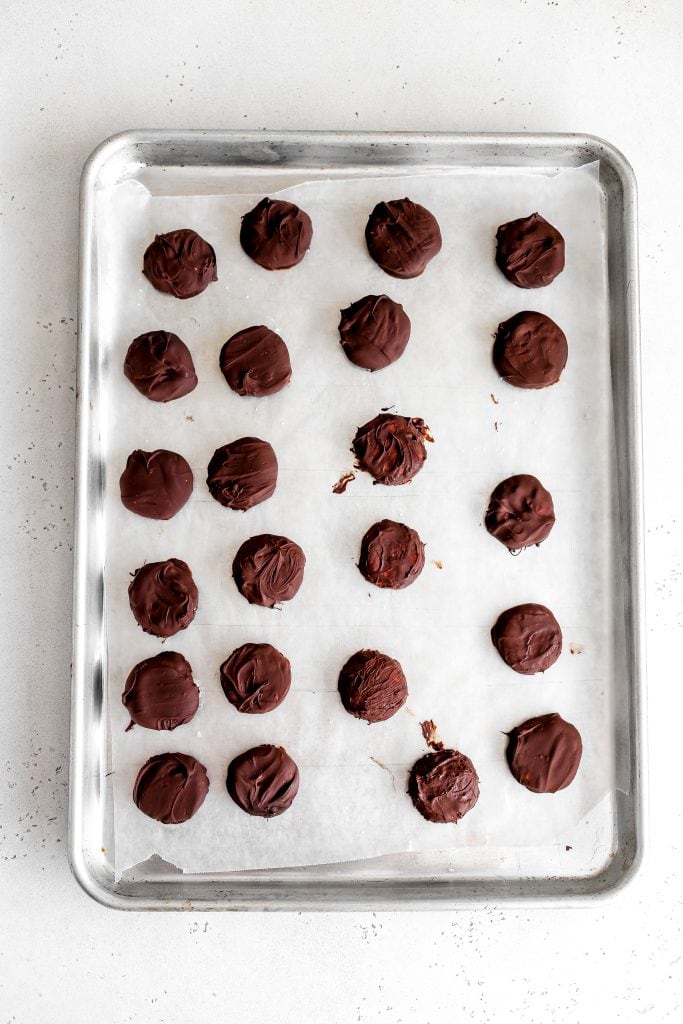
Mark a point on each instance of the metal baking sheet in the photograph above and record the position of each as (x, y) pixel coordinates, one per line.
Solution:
(193, 163)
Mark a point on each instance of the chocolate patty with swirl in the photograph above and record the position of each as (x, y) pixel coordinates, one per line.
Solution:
(392, 555)
(160, 366)
(160, 692)
(276, 234)
(528, 638)
(374, 331)
(256, 678)
(372, 686)
(530, 251)
(443, 786)
(530, 350)
(263, 780)
(544, 753)
(163, 597)
(402, 237)
(155, 484)
(255, 362)
(391, 448)
(520, 512)
(243, 473)
(180, 263)
(171, 788)
(268, 569)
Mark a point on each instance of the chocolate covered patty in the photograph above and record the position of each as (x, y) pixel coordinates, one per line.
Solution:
(276, 234)
(372, 686)
(392, 555)
(163, 597)
(374, 331)
(530, 350)
(530, 251)
(243, 473)
(391, 448)
(160, 366)
(255, 362)
(155, 484)
(443, 786)
(171, 788)
(544, 753)
(520, 512)
(268, 569)
(180, 263)
(263, 781)
(528, 638)
(160, 692)
(402, 237)
(256, 678)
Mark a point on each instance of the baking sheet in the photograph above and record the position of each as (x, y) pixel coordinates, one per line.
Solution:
(352, 802)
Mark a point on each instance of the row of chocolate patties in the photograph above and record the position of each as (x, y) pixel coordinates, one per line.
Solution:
(530, 352)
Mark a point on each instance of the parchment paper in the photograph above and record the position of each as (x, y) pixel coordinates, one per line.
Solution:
(352, 802)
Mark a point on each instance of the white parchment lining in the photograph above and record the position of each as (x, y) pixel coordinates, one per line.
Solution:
(352, 802)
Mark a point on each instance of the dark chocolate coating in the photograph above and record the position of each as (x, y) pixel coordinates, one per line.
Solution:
(160, 692)
(163, 597)
(268, 569)
(530, 251)
(528, 638)
(443, 786)
(544, 753)
(171, 787)
(391, 448)
(276, 234)
(256, 678)
(402, 237)
(374, 331)
(372, 686)
(392, 555)
(180, 263)
(255, 362)
(155, 484)
(160, 366)
(530, 350)
(520, 512)
(243, 473)
(263, 781)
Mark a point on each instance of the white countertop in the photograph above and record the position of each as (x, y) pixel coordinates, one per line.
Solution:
(76, 73)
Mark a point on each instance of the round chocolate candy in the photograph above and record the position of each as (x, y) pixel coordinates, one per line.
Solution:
(520, 512)
(263, 781)
(163, 597)
(243, 473)
(256, 678)
(160, 692)
(402, 237)
(443, 786)
(180, 263)
(528, 638)
(372, 686)
(391, 448)
(255, 362)
(392, 555)
(374, 331)
(544, 753)
(530, 350)
(530, 251)
(156, 484)
(268, 569)
(171, 788)
(276, 234)
(160, 366)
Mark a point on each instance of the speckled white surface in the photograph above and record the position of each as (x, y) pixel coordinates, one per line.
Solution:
(74, 73)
